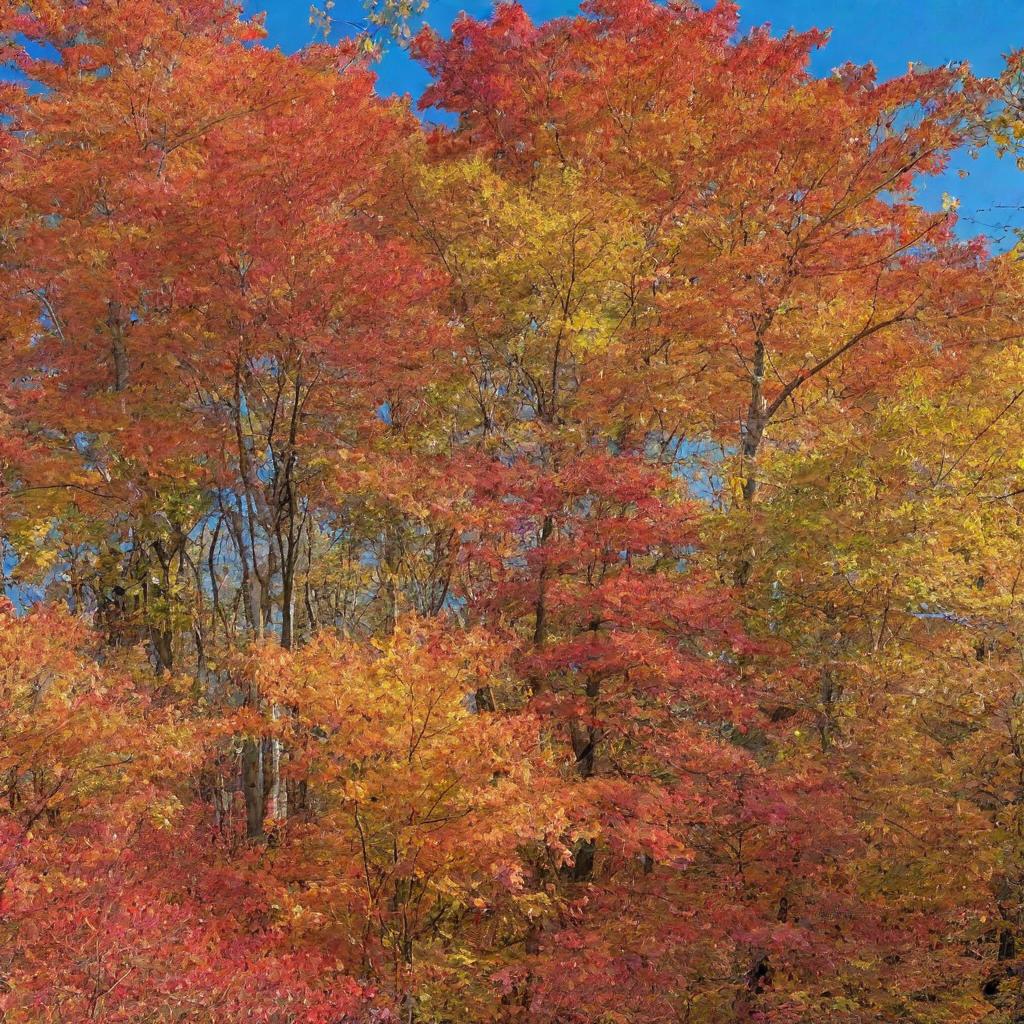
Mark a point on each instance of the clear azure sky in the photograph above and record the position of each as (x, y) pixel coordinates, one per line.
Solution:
(888, 33)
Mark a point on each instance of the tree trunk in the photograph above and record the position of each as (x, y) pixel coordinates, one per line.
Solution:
(119, 350)
(253, 787)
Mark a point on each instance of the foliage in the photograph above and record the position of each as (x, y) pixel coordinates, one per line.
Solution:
(561, 568)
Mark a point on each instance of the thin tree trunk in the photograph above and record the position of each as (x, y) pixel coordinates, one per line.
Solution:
(119, 350)
(253, 787)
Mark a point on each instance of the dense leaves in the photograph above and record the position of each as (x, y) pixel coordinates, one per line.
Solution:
(561, 568)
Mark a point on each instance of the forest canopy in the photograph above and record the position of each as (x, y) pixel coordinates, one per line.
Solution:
(559, 567)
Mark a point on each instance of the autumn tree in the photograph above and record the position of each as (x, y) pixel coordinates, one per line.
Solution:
(560, 567)
(671, 244)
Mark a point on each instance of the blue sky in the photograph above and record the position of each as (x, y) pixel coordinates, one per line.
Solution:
(889, 33)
